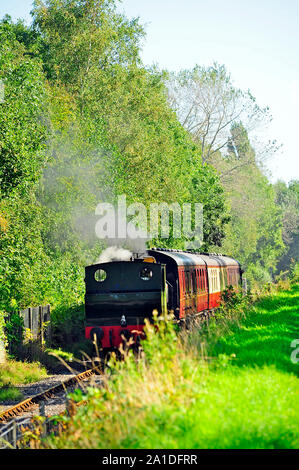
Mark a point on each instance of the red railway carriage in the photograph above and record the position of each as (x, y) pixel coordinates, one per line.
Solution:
(196, 280)
(121, 294)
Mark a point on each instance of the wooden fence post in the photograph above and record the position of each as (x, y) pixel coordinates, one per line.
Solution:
(36, 334)
(35, 322)
(47, 318)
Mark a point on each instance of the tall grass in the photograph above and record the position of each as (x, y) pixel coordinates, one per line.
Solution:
(14, 373)
(233, 389)
(253, 335)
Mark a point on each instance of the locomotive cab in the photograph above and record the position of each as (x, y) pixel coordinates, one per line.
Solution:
(119, 296)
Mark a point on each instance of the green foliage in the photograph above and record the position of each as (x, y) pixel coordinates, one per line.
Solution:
(59, 353)
(79, 36)
(295, 273)
(287, 198)
(2, 325)
(83, 121)
(254, 233)
(9, 393)
(218, 116)
(242, 394)
(265, 333)
(14, 331)
(123, 122)
(23, 132)
(14, 373)
(23, 116)
(160, 346)
(67, 325)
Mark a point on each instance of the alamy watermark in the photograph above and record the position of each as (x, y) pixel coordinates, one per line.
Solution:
(295, 353)
(158, 220)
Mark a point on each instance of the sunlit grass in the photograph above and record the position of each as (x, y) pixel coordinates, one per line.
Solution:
(9, 393)
(265, 335)
(14, 373)
(243, 395)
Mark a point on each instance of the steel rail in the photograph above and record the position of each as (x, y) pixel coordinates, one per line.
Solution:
(25, 405)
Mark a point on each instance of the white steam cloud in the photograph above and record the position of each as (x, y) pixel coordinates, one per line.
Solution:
(114, 253)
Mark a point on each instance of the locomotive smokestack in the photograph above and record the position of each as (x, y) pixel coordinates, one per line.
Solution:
(114, 253)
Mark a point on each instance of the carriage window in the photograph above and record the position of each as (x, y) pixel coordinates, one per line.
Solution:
(184, 281)
(203, 280)
(187, 282)
(100, 275)
(194, 281)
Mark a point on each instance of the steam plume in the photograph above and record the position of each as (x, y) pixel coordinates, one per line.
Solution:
(114, 253)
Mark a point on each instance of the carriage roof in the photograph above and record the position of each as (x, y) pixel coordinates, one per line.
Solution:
(183, 258)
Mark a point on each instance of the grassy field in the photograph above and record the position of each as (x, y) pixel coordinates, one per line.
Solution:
(264, 336)
(229, 385)
(14, 373)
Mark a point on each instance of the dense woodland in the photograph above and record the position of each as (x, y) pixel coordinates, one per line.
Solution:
(83, 120)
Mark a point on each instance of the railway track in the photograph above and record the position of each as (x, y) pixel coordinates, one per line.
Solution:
(26, 405)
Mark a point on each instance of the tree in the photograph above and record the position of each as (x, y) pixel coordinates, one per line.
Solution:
(23, 115)
(23, 134)
(287, 198)
(84, 122)
(254, 234)
(123, 122)
(207, 105)
(81, 36)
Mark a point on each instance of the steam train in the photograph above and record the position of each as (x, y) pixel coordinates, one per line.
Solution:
(121, 294)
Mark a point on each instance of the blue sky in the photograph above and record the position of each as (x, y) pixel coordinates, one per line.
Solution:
(258, 41)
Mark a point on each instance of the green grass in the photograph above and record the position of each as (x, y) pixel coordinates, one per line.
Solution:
(8, 393)
(59, 353)
(265, 336)
(251, 409)
(14, 373)
(245, 397)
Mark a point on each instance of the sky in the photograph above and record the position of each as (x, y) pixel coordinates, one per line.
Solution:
(257, 41)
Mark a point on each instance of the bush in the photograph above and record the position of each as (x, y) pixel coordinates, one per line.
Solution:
(175, 397)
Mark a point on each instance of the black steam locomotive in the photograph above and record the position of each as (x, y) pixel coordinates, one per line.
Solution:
(121, 294)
